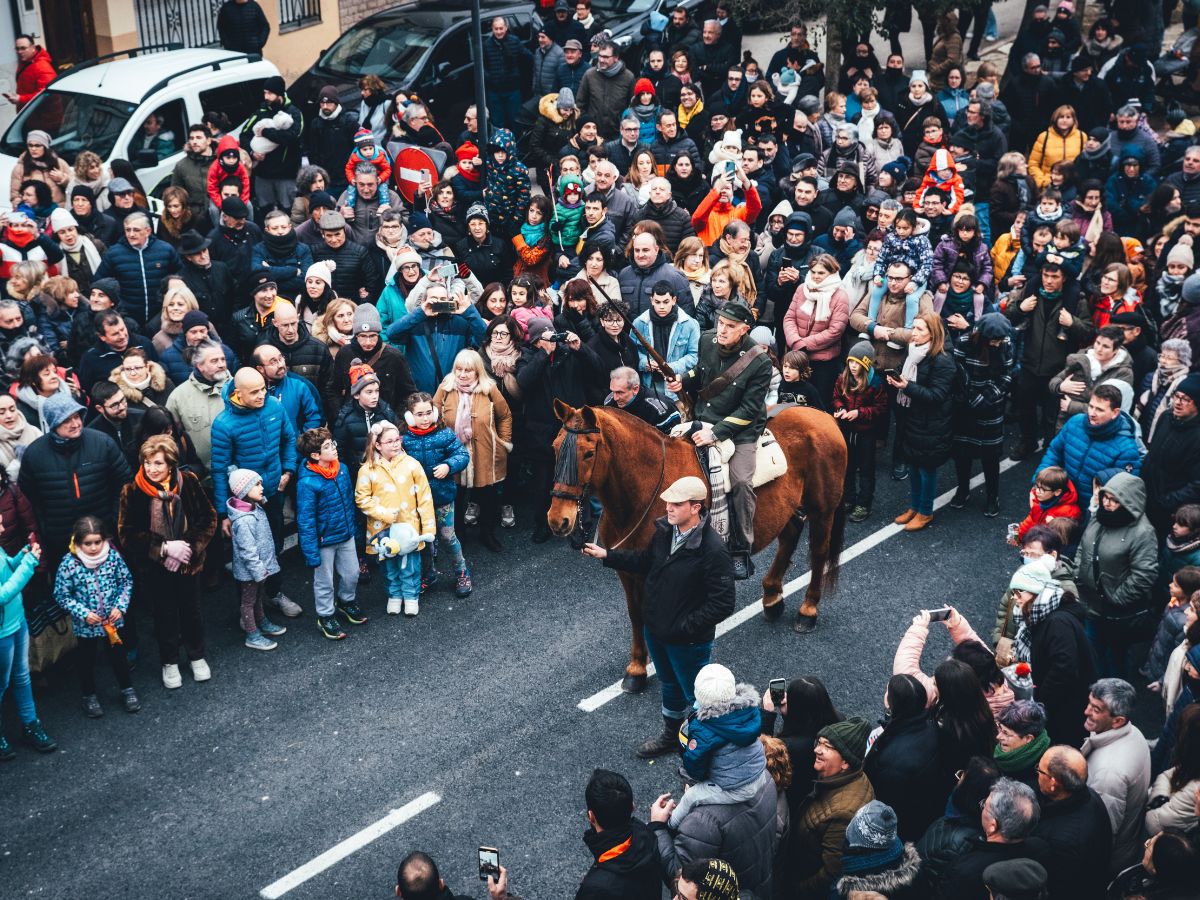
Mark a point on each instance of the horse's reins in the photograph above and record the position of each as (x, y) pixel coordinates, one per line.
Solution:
(566, 469)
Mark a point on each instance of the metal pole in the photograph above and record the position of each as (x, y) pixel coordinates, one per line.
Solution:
(481, 116)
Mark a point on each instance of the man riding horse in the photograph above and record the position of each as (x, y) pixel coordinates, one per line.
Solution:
(728, 387)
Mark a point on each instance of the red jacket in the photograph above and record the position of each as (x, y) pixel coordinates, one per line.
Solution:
(1065, 507)
(33, 76)
(871, 403)
(218, 173)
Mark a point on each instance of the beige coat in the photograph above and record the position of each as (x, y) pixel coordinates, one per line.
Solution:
(891, 315)
(58, 178)
(491, 430)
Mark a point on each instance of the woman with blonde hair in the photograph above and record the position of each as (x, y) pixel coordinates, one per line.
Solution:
(472, 405)
(1061, 142)
(692, 260)
(334, 326)
(178, 301)
(89, 171)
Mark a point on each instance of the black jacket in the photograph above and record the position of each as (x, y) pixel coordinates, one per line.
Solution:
(928, 420)
(284, 161)
(564, 375)
(214, 290)
(234, 248)
(963, 876)
(687, 592)
(1171, 469)
(395, 378)
(243, 27)
(352, 425)
(490, 261)
(63, 483)
(944, 841)
(329, 143)
(626, 873)
(1062, 657)
(1078, 832)
(123, 432)
(356, 270)
(308, 357)
(676, 222)
(902, 766)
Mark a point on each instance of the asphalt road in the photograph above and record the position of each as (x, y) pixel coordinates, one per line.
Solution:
(221, 789)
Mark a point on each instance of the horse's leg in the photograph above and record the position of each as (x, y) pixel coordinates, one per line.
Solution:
(820, 537)
(634, 681)
(772, 583)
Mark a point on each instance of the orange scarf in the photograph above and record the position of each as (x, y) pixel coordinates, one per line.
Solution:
(150, 488)
(329, 472)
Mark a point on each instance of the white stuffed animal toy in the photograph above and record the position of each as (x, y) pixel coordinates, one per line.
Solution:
(398, 540)
(260, 144)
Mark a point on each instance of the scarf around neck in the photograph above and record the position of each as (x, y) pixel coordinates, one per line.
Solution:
(533, 233)
(916, 353)
(818, 297)
(166, 507)
(91, 561)
(1022, 758)
(328, 472)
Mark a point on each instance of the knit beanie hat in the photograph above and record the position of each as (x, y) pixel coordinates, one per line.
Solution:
(366, 319)
(1030, 578)
(418, 220)
(321, 200)
(477, 211)
(566, 100)
(863, 353)
(322, 269)
(406, 255)
(849, 738)
(275, 84)
(62, 218)
(1180, 253)
(37, 136)
(985, 90)
(897, 169)
(714, 685)
(57, 408)
(363, 136)
(109, 287)
(330, 93)
(1190, 290)
(193, 318)
(873, 828)
(241, 481)
(1191, 387)
(82, 190)
(467, 151)
(719, 882)
(361, 375)
(643, 86)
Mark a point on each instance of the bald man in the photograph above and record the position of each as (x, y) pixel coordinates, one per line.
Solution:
(254, 432)
(1074, 824)
(303, 353)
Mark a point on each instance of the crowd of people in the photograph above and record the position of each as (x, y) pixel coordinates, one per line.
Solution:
(286, 342)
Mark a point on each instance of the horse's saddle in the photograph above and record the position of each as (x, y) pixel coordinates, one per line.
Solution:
(769, 459)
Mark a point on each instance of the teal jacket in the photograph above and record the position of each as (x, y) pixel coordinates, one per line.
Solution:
(15, 572)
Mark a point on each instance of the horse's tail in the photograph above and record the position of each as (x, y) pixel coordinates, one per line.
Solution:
(837, 539)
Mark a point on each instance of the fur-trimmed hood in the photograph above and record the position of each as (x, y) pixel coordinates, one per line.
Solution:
(135, 396)
(899, 877)
(745, 696)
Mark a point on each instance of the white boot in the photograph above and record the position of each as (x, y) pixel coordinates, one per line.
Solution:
(411, 607)
(393, 606)
(171, 677)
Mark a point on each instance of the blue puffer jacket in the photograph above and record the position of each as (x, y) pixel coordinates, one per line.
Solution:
(287, 271)
(178, 370)
(261, 440)
(450, 334)
(139, 272)
(1084, 451)
(722, 741)
(324, 511)
(431, 450)
(300, 399)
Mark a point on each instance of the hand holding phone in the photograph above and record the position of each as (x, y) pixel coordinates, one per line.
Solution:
(941, 614)
(778, 689)
(489, 863)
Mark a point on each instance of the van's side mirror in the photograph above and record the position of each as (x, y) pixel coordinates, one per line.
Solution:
(145, 159)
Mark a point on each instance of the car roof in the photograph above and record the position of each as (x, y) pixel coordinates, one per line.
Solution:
(132, 78)
(439, 13)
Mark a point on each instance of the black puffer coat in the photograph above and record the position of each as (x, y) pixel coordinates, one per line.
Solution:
(489, 261)
(356, 270)
(626, 872)
(676, 221)
(352, 425)
(395, 377)
(308, 357)
(927, 433)
(83, 478)
(902, 766)
(214, 290)
(1062, 658)
(544, 378)
(1078, 832)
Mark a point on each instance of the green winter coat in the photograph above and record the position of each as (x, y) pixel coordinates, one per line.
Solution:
(1116, 567)
(738, 413)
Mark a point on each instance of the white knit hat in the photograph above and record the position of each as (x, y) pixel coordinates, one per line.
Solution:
(241, 480)
(714, 684)
(322, 268)
(60, 219)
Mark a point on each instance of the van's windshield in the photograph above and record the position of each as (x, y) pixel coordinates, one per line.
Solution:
(388, 49)
(75, 122)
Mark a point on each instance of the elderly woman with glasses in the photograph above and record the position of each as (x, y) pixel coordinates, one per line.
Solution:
(1021, 740)
(143, 382)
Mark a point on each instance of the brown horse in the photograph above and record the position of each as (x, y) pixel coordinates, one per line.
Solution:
(627, 464)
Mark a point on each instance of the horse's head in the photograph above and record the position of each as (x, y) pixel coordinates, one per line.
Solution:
(575, 451)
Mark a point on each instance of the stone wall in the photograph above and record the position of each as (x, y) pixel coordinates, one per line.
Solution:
(351, 11)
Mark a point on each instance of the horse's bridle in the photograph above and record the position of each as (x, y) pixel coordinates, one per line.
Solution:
(585, 489)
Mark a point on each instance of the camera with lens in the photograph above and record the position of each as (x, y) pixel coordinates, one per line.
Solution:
(558, 337)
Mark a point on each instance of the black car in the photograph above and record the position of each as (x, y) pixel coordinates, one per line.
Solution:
(628, 23)
(422, 48)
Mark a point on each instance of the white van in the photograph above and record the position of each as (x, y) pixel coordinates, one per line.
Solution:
(101, 105)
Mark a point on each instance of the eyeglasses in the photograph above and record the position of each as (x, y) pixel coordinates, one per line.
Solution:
(501, 332)
(329, 445)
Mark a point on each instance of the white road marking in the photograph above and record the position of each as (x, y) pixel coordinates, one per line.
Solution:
(746, 613)
(350, 845)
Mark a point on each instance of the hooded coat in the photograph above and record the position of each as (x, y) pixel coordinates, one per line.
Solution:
(549, 134)
(507, 191)
(1117, 566)
(626, 866)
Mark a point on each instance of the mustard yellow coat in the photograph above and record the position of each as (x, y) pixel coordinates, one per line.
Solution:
(395, 491)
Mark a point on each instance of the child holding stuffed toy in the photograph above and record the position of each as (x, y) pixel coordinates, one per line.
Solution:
(442, 456)
(325, 524)
(392, 490)
(254, 558)
(366, 151)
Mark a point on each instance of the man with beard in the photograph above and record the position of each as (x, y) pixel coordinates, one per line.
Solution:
(275, 168)
(197, 402)
(1129, 135)
(371, 199)
(299, 398)
(681, 33)
(605, 90)
(113, 416)
(305, 356)
(191, 173)
(846, 190)
(806, 198)
(232, 241)
(329, 137)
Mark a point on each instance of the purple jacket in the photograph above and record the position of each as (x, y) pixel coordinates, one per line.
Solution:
(945, 255)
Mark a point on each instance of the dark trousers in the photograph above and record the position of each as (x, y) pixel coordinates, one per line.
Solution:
(1037, 408)
(176, 601)
(85, 662)
(824, 374)
(980, 17)
(677, 666)
(859, 489)
(989, 457)
(1113, 641)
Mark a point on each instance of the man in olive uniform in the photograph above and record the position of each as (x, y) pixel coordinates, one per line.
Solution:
(729, 385)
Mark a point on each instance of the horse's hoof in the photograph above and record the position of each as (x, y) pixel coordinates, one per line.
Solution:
(773, 612)
(804, 624)
(633, 684)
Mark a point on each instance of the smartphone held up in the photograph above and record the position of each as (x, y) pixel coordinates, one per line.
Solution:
(489, 863)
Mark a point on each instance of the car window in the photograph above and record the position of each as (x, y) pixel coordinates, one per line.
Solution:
(76, 121)
(159, 134)
(238, 100)
(454, 51)
(389, 49)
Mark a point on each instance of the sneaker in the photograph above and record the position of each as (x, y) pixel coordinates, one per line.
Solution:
(285, 605)
(91, 706)
(35, 736)
(351, 613)
(429, 580)
(900, 472)
(330, 627)
(256, 640)
(508, 518)
(270, 629)
(959, 500)
(462, 587)
(7, 753)
(471, 514)
(411, 607)
(364, 571)
(171, 677)
(393, 607)
(200, 670)
(860, 513)
(992, 509)
(130, 698)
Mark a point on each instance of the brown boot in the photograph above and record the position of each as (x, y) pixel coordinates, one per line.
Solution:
(667, 741)
(917, 522)
(905, 517)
